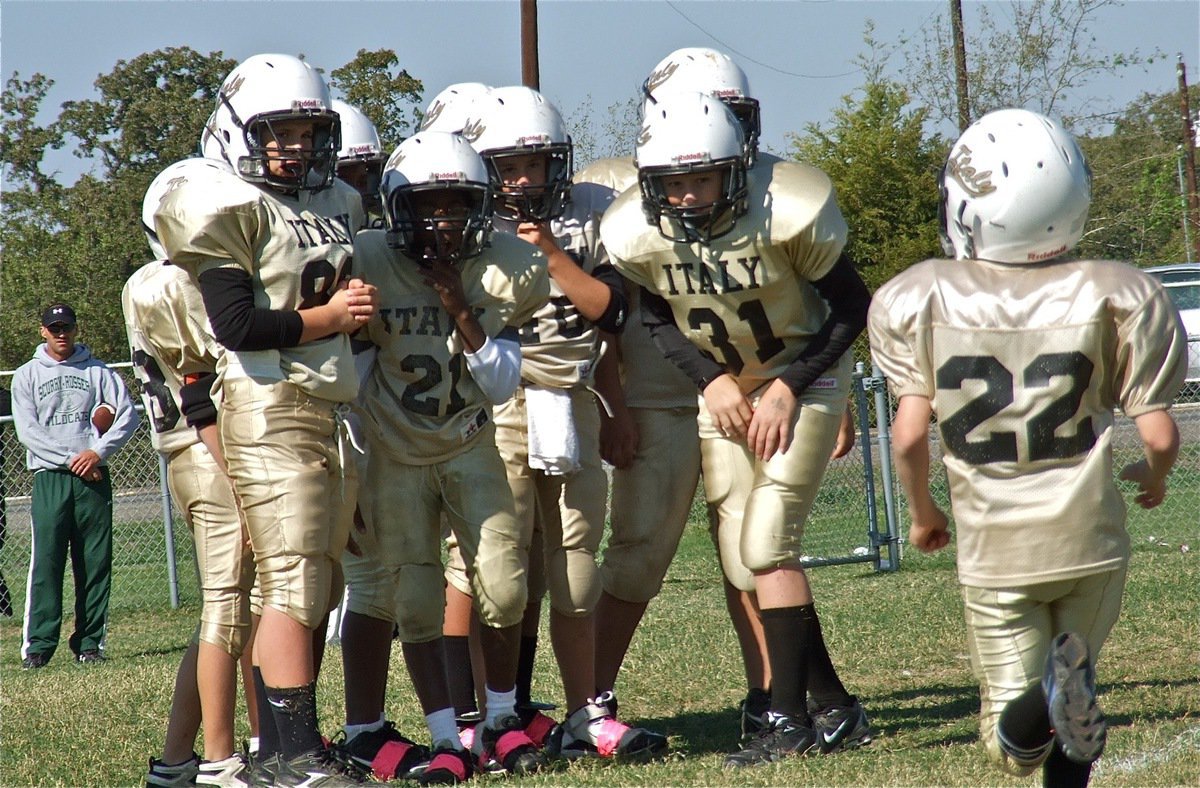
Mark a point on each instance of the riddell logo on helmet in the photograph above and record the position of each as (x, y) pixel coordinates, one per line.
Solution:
(448, 176)
(307, 104)
(360, 150)
(975, 182)
(690, 157)
(534, 139)
(1034, 257)
(657, 78)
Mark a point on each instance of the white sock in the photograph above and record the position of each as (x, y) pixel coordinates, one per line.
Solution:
(252, 746)
(443, 727)
(366, 727)
(500, 704)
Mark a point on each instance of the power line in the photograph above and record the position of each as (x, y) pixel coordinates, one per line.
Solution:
(744, 56)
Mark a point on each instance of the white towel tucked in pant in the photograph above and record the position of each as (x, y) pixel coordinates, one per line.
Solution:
(553, 442)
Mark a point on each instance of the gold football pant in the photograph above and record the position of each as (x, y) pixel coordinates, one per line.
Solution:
(757, 510)
(568, 510)
(404, 511)
(650, 503)
(282, 449)
(203, 494)
(1009, 632)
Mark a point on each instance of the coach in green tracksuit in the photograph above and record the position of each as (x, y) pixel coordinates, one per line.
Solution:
(54, 398)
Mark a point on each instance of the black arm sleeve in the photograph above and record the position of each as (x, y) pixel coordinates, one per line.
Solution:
(196, 401)
(239, 325)
(613, 319)
(700, 368)
(848, 299)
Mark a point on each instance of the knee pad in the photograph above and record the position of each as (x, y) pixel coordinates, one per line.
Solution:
(303, 589)
(634, 573)
(420, 602)
(225, 620)
(499, 590)
(574, 581)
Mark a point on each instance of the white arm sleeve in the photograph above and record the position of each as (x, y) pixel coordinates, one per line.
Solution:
(496, 367)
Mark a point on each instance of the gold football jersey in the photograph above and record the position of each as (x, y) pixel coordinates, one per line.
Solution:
(745, 299)
(420, 404)
(1023, 366)
(559, 346)
(297, 248)
(650, 381)
(169, 338)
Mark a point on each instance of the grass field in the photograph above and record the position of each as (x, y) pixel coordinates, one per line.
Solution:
(897, 639)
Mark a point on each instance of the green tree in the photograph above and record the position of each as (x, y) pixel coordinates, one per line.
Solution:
(884, 169)
(1040, 55)
(387, 94)
(1136, 204)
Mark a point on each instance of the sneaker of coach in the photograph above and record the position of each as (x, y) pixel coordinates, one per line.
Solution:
(92, 656)
(1069, 683)
(35, 661)
(162, 775)
(783, 737)
(231, 772)
(842, 727)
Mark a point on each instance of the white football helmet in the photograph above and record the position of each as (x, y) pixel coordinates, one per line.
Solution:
(1015, 189)
(449, 109)
(704, 70)
(518, 121)
(360, 159)
(261, 91)
(168, 180)
(682, 134)
(436, 168)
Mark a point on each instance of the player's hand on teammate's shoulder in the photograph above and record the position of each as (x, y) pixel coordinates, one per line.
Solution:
(771, 425)
(1151, 490)
(727, 406)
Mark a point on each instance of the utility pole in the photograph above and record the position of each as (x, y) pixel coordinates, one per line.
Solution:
(1189, 158)
(530, 76)
(960, 65)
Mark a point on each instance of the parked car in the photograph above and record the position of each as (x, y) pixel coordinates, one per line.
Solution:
(1183, 285)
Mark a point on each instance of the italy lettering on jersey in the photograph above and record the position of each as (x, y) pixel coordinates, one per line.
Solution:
(559, 346)
(297, 249)
(420, 404)
(746, 299)
(649, 380)
(169, 338)
(1024, 366)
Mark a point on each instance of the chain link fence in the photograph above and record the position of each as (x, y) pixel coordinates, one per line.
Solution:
(153, 557)
(859, 516)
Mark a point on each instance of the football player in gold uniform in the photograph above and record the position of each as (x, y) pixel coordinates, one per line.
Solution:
(175, 357)
(1022, 354)
(270, 248)
(450, 304)
(746, 289)
(548, 433)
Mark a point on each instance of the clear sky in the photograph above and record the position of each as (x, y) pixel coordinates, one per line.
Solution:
(798, 54)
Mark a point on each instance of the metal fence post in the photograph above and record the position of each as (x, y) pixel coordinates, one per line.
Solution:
(883, 411)
(864, 429)
(168, 532)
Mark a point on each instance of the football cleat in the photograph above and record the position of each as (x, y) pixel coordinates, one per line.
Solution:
(782, 738)
(591, 730)
(35, 661)
(319, 768)
(161, 775)
(93, 656)
(449, 766)
(1069, 684)
(538, 726)
(754, 709)
(231, 772)
(384, 752)
(842, 727)
(505, 744)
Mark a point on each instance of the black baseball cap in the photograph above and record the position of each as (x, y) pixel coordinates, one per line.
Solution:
(58, 313)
